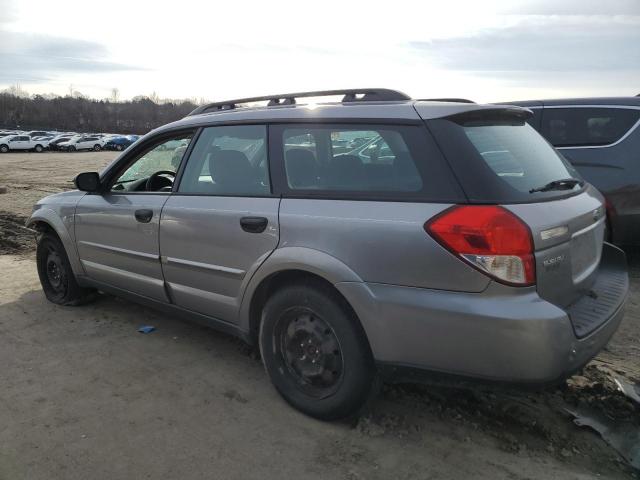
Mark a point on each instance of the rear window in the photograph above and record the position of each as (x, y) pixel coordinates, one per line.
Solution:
(386, 162)
(500, 158)
(584, 126)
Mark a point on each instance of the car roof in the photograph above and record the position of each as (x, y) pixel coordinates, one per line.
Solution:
(409, 110)
(598, 101)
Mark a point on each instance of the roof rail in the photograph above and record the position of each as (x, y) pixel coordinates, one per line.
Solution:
(350, 95)
(454, 100)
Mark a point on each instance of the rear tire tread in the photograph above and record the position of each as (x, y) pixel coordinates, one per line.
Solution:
(360, 382)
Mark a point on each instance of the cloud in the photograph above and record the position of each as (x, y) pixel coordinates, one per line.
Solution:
(38, 58)
(573, 7)
(543, 44)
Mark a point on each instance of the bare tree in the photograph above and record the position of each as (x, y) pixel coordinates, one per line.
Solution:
(81, 114)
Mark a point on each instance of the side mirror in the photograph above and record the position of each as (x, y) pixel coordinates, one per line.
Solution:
(88, 182)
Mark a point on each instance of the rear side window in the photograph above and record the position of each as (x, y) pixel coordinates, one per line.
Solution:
(499, 158)
(355, 160)
(228, 160)
(573, 127)
(359, 159)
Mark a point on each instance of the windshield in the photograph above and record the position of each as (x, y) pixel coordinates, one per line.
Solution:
(503, 159)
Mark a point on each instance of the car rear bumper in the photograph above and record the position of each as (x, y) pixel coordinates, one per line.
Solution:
(502, 334)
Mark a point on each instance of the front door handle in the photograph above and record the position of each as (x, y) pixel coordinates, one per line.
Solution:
(144, 215)
(253, 224)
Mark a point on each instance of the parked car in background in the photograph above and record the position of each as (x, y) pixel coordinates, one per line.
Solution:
(465, 246)
(37, 133)
(53, 144)
(45, 140)
(82, 142)
(118, 143)
(601, 138)
(21, 142)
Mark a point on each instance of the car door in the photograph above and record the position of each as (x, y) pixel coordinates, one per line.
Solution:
(20, 143)
(221, 222)
(117, 229)
(84, 143)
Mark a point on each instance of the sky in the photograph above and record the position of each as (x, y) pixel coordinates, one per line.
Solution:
(489, 50)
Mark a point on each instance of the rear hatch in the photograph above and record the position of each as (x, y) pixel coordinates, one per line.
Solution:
(501, 160)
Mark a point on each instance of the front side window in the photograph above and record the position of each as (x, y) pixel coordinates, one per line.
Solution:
(572, 127)
(343, 158)
(155, 169)
(228, 160)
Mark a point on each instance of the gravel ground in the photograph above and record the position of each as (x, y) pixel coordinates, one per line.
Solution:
(83, 395)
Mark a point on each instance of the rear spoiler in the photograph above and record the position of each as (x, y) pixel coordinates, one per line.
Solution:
(498, 114)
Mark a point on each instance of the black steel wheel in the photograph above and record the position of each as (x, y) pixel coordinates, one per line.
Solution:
(56, 276)
(311, 351)
(316, 352)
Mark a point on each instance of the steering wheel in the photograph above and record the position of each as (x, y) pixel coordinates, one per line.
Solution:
(155, 182)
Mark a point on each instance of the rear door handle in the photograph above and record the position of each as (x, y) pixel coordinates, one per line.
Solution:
(253, 224)
(144, 215)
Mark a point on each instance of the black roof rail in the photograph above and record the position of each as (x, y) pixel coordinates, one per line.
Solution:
(454, 100)
(349, 95)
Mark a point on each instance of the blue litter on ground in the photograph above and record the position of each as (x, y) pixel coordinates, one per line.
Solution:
(146, 329)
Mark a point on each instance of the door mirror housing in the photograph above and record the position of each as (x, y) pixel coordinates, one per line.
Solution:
(88, 182)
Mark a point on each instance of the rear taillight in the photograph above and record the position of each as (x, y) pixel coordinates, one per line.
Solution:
(490, 238)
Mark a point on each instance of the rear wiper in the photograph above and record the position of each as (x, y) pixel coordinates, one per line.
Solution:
(562, 184)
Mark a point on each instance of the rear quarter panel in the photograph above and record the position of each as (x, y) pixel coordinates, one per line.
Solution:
(382, 242)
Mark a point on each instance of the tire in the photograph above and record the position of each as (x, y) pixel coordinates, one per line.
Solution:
(315, 352)
(38, 148)
(119, 148)
(71, 149)
(97, 148)
(4, 149)
(56, 276)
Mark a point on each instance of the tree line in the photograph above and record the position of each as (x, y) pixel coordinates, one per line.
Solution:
(81, 114)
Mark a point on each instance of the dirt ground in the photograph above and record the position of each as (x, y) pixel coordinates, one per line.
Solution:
(83, 395)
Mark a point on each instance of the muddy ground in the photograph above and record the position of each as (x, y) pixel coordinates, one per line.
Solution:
(83, 395)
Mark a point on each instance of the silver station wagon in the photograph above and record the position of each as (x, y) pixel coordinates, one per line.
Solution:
(352, 241)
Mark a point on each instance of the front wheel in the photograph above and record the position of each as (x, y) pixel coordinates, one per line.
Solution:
(97, 148)
(315, 352)
(39, 148)
(71, 149)
(4, 149)
(56, 276)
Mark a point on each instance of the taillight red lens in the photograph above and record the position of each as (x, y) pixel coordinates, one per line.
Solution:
(490, 238)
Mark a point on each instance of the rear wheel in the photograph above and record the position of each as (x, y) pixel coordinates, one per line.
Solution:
(119, 147)
(56, 276)
(316, 352)
(71, 149)
(39, 148)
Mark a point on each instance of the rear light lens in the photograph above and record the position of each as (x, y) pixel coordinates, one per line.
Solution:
(489, 238)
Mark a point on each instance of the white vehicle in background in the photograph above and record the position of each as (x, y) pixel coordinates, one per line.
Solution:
(45, 140)
(82, 142)
(20, 142)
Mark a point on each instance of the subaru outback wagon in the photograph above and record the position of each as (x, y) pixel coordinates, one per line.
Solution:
(352, 241)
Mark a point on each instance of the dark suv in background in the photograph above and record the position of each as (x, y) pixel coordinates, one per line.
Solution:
(601, 138)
